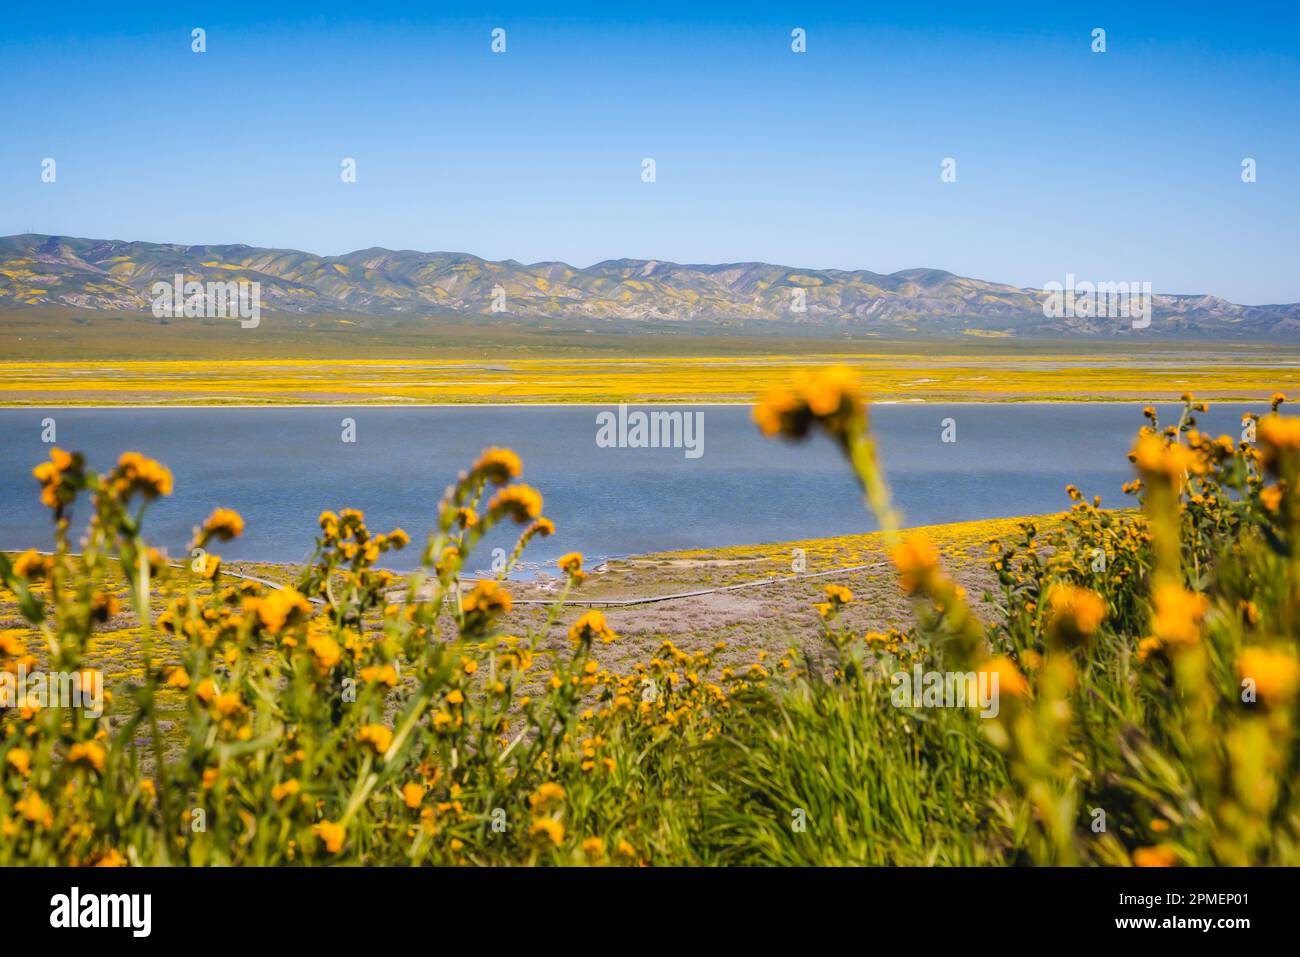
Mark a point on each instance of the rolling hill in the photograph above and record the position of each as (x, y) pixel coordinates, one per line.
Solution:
(382, 287)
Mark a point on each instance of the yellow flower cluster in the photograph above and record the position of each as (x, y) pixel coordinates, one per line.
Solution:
(828, 396)
(520, 503)
(136, 473)
(1074, 613)
(60, 477)
(589, 627)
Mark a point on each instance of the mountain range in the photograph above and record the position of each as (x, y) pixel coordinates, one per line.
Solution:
(386, 286)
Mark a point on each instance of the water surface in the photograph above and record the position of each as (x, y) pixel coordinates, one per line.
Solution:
(280, 467)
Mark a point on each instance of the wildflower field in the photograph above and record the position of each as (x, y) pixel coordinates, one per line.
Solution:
(98, 362)
(1146, 660)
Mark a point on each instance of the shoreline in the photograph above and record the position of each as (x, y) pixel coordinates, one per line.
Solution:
(940, 529)
(606, 405)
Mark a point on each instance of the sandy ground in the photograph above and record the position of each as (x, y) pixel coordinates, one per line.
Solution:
(764, 616)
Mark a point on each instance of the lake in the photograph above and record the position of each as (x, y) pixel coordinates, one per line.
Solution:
(280, 467)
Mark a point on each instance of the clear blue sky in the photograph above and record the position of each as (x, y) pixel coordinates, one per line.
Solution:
(1122, 165)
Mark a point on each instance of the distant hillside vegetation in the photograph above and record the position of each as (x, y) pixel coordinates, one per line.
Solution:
(112, 275)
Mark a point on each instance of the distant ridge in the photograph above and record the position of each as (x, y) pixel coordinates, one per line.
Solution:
(114, 275)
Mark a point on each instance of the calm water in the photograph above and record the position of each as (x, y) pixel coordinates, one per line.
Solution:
(281, 467)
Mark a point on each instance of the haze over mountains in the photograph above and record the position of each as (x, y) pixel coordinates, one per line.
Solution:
(385, 286)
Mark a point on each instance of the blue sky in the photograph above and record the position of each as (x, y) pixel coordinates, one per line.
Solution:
(1114, 166)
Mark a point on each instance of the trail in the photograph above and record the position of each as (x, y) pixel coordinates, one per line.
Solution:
(625, 602)
(581, 602)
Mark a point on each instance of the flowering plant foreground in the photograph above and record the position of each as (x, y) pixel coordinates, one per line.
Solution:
(1146, 661)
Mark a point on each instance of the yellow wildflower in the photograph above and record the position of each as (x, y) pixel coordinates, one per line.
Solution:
(19, 760)
(89, 753)
(917, 561)
(1074, 614)
(1275, 673)
(332, 834)
(520, 502)
(325, 650)
(549, 827)
(1010, 679)
(223, 525)
(136, 473)
(286, 789)
(589, 627)
(377, 736)
(1159, 856)
(571, 565)
(497, 466)
(1178, 615)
